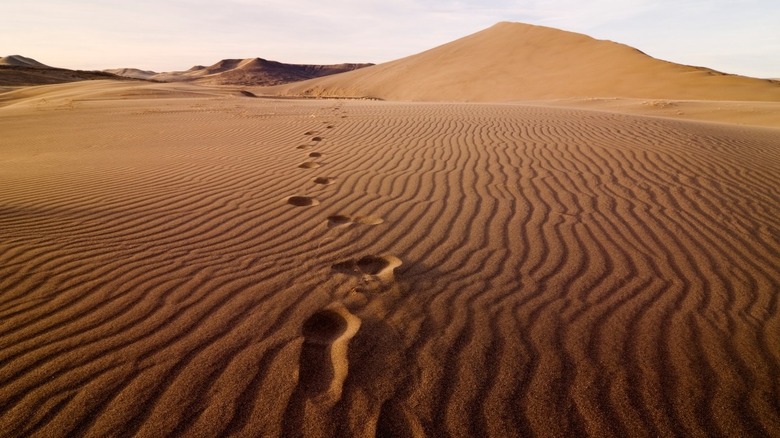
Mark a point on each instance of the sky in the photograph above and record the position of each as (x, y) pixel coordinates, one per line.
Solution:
(733, 36)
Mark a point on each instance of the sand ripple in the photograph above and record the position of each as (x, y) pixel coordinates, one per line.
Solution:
(565, 273)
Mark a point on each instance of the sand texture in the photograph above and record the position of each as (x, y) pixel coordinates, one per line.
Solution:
(516, 61)
(181, 261)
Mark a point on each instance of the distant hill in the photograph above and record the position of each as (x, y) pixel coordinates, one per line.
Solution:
(516, 61)
(19, 71)
(251, 71)
(21, 61)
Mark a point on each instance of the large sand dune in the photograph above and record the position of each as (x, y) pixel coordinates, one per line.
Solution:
(179, 260)
(515, 61)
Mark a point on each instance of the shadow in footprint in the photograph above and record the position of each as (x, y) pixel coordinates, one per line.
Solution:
(309, 165)
(302, 201)
(338, 221)
(316, 139)
(317, 369)
(324, 180)
(374, 272)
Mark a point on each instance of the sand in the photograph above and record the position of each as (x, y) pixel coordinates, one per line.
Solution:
(168, 266)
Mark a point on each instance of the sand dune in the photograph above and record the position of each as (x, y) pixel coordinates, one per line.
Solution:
(167, 267)
(515, 61)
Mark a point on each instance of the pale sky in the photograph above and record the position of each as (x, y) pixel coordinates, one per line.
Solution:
(733, 36)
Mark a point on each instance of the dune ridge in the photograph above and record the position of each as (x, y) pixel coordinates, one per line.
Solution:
(539, 270)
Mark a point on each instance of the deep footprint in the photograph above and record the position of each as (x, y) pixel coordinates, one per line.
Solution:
(324, 180)
(368, 220)
(302, 201)
(324, 327)
(315, 155)
(338, 221)
(323, 363)
(370, 267)
(341, 220)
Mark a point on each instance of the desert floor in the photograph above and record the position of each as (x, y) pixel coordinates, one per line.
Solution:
(198, 262)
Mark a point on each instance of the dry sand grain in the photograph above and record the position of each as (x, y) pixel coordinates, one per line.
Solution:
(503, 270)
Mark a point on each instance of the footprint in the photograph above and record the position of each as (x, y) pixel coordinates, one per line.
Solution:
(340, 220)
(309, 132)
(316, 139)
(324, 180)
(323, 364)
(304, 146)
(368, 220)
(373, 265)
(315, 155)
(309, 165)
(329, 127)
(370, 268)
(302, 201)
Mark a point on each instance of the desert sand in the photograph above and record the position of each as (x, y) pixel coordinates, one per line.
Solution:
(183, 260)
(190, 260)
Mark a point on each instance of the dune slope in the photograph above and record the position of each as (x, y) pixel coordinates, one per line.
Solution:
(218, 265)
(515, 61)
